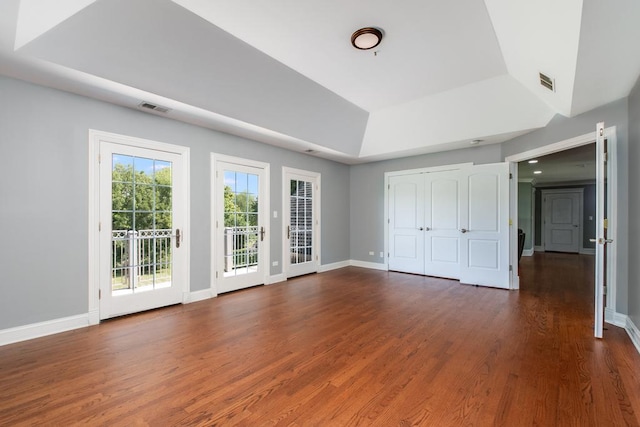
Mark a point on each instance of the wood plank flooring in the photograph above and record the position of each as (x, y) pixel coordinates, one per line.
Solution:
(344, 348)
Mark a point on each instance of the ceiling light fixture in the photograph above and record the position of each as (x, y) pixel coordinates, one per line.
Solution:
(366, 38)
(533, 161)
(537, 172)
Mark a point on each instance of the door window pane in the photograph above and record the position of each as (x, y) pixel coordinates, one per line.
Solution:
(141, 212)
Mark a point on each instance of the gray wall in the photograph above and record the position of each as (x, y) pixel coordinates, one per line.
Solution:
(44, 195)
(525, 212)
(634, 205)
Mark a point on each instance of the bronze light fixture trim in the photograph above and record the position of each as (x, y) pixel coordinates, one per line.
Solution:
(366, 38)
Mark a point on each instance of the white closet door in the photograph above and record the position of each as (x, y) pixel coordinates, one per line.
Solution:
(406, 223)
(484, 224)
(442, 219)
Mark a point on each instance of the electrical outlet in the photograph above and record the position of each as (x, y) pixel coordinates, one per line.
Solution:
(371, 253)
(274, 263)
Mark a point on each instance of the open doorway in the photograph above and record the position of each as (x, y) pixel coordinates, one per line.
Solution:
(557, 201)
(605, 219)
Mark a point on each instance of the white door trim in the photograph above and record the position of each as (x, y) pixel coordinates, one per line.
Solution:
(265, 208)
(93, 250)
(543, 213)
(612, 198)
(317, 244)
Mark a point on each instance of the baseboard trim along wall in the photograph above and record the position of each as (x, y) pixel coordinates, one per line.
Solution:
(41, 329)
(276, 278)
(527, 252)
(334, 266)
(634, 333)
(371, 265)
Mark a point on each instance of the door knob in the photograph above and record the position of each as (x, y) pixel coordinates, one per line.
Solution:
(420, 228)
(463, 230)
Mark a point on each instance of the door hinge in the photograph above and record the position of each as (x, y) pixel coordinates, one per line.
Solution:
(99, 293)
(510, 175)
(511, 268)
(216, 274)
(316, 257)
(606, 157)
(99, 158)
(605, 223)
(99, 225)
(388, 186)
(217, 224)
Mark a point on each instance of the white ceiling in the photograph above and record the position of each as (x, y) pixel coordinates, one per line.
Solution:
(283, 72)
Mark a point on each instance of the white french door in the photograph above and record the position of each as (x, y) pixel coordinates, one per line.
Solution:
(240, 223)
(301, 210)
(484, 224)
(143, 237)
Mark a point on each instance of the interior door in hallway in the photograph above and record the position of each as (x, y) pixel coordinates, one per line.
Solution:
(562, 220)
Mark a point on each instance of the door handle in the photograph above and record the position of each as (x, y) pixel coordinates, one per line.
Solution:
(463, 230)
(601, 241)
(420, 228)
(288, 232)
(178, 237)
(261, 234)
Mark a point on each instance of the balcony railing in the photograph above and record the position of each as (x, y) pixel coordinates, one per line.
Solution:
(140, 259)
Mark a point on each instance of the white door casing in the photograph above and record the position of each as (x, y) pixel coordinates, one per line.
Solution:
(406, 223)
(562, 220)
(485, 226)
(603, 236)
(301, 192)
(139, 269)
(240, 251)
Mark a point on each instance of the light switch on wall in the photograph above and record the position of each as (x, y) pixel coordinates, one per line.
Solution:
(275, 214)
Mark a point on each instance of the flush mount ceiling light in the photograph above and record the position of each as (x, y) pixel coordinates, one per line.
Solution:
(366, 38)
(533, 161)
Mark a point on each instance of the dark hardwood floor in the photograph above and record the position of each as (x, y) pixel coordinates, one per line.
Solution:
(347, 347)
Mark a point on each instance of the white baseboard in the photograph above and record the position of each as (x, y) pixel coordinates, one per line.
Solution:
(277, 278)
(371, 265)
(614, 318)
(333, 266)
(200, 295)
(538, 248)
(527, 252)
(587, 251)
(633, 332)
(41, 329)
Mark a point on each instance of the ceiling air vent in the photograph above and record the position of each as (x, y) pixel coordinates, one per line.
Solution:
(547, 82)
(154, 107)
